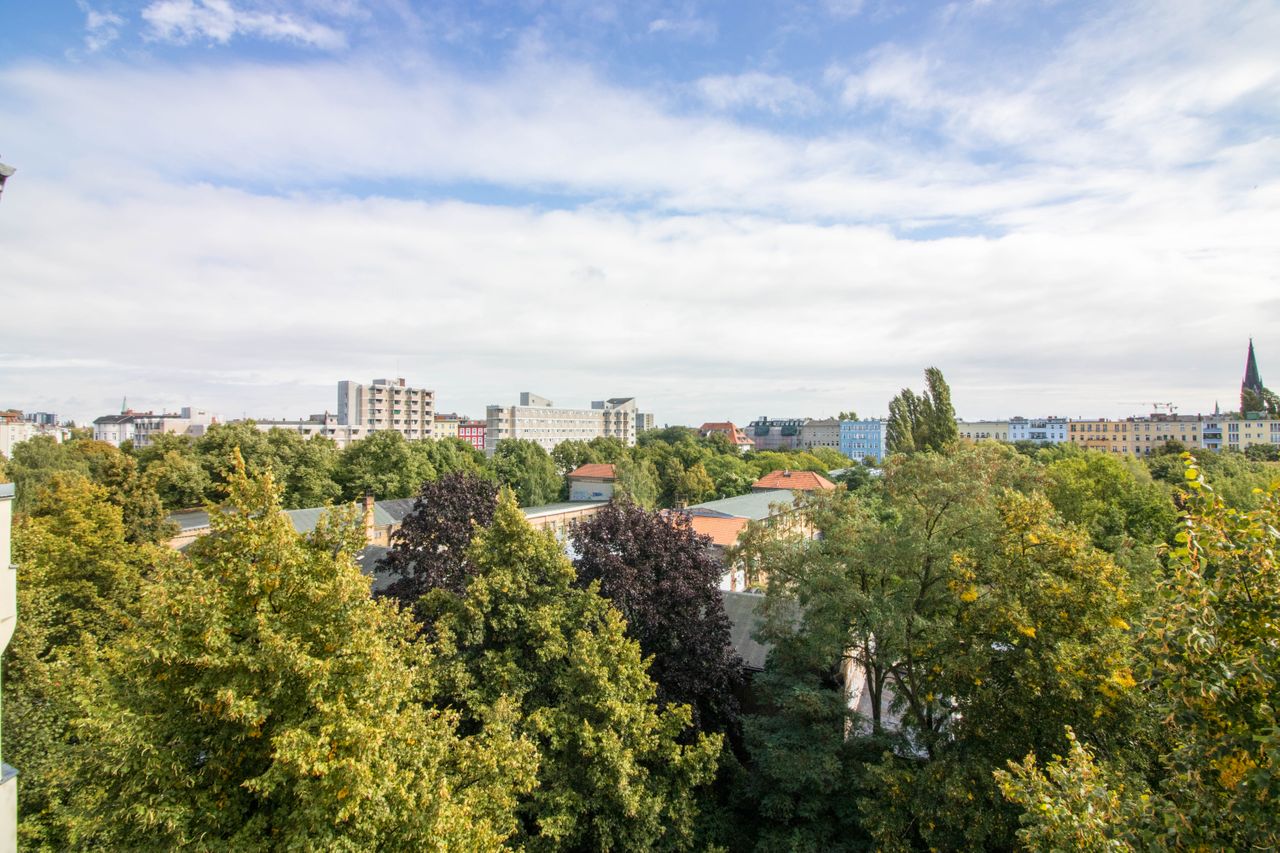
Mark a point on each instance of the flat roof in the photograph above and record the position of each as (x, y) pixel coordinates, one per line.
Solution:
(6, 490)
(557, 508)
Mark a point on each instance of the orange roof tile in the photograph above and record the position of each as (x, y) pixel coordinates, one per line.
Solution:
(802, 481)
(594, 469)
(723, 531)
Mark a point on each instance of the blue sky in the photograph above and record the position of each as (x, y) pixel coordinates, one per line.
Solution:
(723, 209)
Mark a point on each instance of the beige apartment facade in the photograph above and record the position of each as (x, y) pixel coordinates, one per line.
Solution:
(538, 419)
(820, 433)
(1102, 434)
(983, 430)
(1147, 435)
(387, 404)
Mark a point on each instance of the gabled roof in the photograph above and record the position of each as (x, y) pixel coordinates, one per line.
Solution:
(595, 469)
(803, 481)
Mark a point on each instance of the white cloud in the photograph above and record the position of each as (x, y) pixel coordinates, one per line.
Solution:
(843, 8)
(100, 28)
(685, 25)
(184, 21)
(756, 90)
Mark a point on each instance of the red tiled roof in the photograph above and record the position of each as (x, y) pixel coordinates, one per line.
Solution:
(723, 531)
(802, 481)
(717, 426)
(594, 469)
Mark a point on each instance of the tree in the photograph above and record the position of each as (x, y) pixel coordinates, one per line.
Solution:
(850, 415)
(264, 701)
(429, 550)
(637, 481)
(979, 624)
(80, 581)
(304, 468)
(1262, 453)
(694, 485)
(664, 580)
(383, 463)
(217, 452)
(922, 422)
(1213, 654)
(178, 480)
(613, 772)
(524, 467)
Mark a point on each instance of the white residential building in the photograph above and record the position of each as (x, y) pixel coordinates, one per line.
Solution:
(1038, 430)
(140, 427)
(538, 419)
(325, 424)
(387, 404)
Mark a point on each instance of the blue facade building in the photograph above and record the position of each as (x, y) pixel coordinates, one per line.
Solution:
(863, 438)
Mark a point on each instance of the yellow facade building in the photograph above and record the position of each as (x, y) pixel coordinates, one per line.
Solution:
(983, 430)
(1103, 434)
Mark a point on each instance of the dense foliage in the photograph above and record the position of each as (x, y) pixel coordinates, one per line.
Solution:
(986, 647)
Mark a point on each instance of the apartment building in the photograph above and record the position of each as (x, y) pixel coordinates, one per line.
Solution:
(473, 432)
(387, 404)
(983, 430)
(823, 432)
(323, 425)
(14, 429)
(736, 437)
(644, 421)
(1242, 433)
(446, 425)
(862, 439)
(1049, 430)
(141, 427)
(1148, 434)
(538, 419)
(1102, 434)
(775, 433)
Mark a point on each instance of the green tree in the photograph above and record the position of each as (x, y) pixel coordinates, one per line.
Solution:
(614, 773)
(264, 701)
(637, 481)
(79, 583)
(1213, 647)
(217, 452)
(305, 468)
(524, 467)
(385, 464)
(922, 422)
(178, 480)
(695, 485)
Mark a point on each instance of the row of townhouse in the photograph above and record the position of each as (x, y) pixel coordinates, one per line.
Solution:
(1134, 436)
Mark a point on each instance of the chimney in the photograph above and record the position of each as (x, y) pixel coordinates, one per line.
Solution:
(370, 529)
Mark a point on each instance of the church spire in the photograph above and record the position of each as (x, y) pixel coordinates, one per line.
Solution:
(1252, 381)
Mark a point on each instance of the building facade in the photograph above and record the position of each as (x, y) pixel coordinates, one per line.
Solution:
(863, 439)
(473, 432)
(775, 433)
(983, 430)
(1146, 435)
(387, 404)
(538, 419)
(736, 437)
(1049, 430)
(446, 426)
(142, 427)
(824, 432)
(1103, 434)
(644, 421)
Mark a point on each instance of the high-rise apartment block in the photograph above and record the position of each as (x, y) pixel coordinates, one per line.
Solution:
(387, 404)
(538, 419)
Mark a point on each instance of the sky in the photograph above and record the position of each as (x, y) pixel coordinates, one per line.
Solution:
(722, 209)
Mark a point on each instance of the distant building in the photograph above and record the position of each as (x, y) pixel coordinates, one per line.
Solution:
(14, 429)
(592, 482)
(142, 427)
(446, 425)
(864, 439)
(796, 481)
(473, 432)
(537, 419)
(1049, 430)
(644, 421)
(1148, 434)
(983, 430)
(736, 437)
(820, 433)
(41, 418)
(387, 404)
(1102, 434)
(1243, 433)
(325, 425)
(775, 433)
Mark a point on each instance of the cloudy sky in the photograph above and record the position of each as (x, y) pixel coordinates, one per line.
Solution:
(723, 209)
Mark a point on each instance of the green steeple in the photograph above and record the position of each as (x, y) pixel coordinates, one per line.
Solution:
(1252, 381)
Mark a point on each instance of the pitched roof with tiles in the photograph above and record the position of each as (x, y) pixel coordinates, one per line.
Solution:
(802, 481)
(595, 469)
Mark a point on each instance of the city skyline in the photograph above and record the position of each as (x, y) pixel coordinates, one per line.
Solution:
(725, 213)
